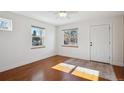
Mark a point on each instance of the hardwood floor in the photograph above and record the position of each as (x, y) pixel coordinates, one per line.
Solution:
(41, 70)
(119, 72)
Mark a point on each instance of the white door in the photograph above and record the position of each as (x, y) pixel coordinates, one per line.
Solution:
(100, 43)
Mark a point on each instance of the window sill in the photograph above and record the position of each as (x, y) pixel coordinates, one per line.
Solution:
(38, 47)
(70, 46)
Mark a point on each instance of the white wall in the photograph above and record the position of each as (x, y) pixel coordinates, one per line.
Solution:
(83, 40)
(15, 46)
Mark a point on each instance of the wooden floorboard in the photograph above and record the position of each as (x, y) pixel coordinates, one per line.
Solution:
(42, 71)
(119, 71)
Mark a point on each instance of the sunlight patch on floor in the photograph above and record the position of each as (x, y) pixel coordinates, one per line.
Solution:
(86, 73)
(64, 67)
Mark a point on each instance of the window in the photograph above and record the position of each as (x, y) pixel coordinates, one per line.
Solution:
(38, 37)
(71, 37)
(5, 24)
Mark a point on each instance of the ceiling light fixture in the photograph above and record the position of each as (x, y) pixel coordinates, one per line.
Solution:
(62, 14)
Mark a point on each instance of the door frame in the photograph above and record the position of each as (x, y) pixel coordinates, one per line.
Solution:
(110, 40)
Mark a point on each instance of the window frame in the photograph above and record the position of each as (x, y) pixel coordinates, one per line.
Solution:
(70, 45)
(9, 22)
(41, 36)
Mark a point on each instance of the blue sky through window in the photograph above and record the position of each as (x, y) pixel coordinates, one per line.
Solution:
(3, 24)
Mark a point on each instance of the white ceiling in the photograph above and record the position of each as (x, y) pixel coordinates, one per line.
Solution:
(51, 17)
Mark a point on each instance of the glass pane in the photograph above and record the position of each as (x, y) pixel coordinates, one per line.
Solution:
(74, 37)
(36, 31)
(37, 36)
(71, 37)
(36, 41)
(4, 24)
(66, 37)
